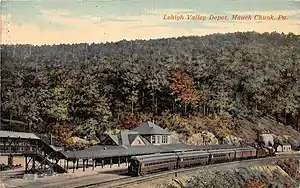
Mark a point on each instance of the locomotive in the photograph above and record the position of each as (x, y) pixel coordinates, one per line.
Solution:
(146, 164)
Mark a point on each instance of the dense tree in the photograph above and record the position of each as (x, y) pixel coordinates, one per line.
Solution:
(129, 122)
(93, 87)
(183, 87)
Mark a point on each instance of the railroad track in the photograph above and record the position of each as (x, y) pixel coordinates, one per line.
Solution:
(123, 182)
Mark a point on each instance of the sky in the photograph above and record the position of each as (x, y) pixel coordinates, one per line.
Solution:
(98, 21)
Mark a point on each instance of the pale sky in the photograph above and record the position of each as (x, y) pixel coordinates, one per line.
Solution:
(79, 21)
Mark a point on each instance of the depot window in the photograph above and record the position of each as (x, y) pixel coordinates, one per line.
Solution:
(164, 139)
(153, 139)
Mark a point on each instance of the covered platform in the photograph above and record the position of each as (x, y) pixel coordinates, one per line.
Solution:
(102, 155)
(46, 157)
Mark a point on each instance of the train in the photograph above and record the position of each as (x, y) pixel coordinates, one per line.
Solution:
(146, 164)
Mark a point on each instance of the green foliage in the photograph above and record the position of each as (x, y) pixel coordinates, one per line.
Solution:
(92, 87)
(112, 132)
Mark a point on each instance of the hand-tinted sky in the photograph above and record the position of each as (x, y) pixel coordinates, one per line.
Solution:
(76, 21)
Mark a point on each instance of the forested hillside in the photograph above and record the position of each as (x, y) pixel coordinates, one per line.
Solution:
(91, 88)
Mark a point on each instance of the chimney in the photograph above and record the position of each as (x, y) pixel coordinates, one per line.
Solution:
(150, 125)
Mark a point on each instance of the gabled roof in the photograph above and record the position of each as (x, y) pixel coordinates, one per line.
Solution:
(114, 138)
(150, 128)
(293, 142)
(282, 143)
(145, 140)
(285, 144)
(6, 134)
(124, 138)
(175, 140)
(131, 138)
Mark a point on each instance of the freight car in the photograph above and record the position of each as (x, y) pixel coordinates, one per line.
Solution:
(145, 164)
(245, 153)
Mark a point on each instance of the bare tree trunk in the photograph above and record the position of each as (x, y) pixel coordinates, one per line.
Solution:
(85, 53)
(10, 127)
(119, 113)
(132, 106)
(156, 105)
(173, 106)
(284, 117)
(143, 95)
(14, 51)
(153, 101)
(256, 106)
(298, 123)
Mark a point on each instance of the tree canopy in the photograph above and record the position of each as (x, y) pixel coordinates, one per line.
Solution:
(92, 87)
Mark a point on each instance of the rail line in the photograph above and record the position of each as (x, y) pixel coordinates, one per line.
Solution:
(122, 182)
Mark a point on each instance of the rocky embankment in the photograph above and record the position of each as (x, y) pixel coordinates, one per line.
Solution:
(281, 175)
(208, 131)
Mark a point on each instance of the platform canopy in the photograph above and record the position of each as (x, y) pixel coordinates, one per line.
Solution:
(98, 152)
(11, 134)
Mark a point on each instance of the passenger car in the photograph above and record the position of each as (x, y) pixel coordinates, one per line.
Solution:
(145, 164)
